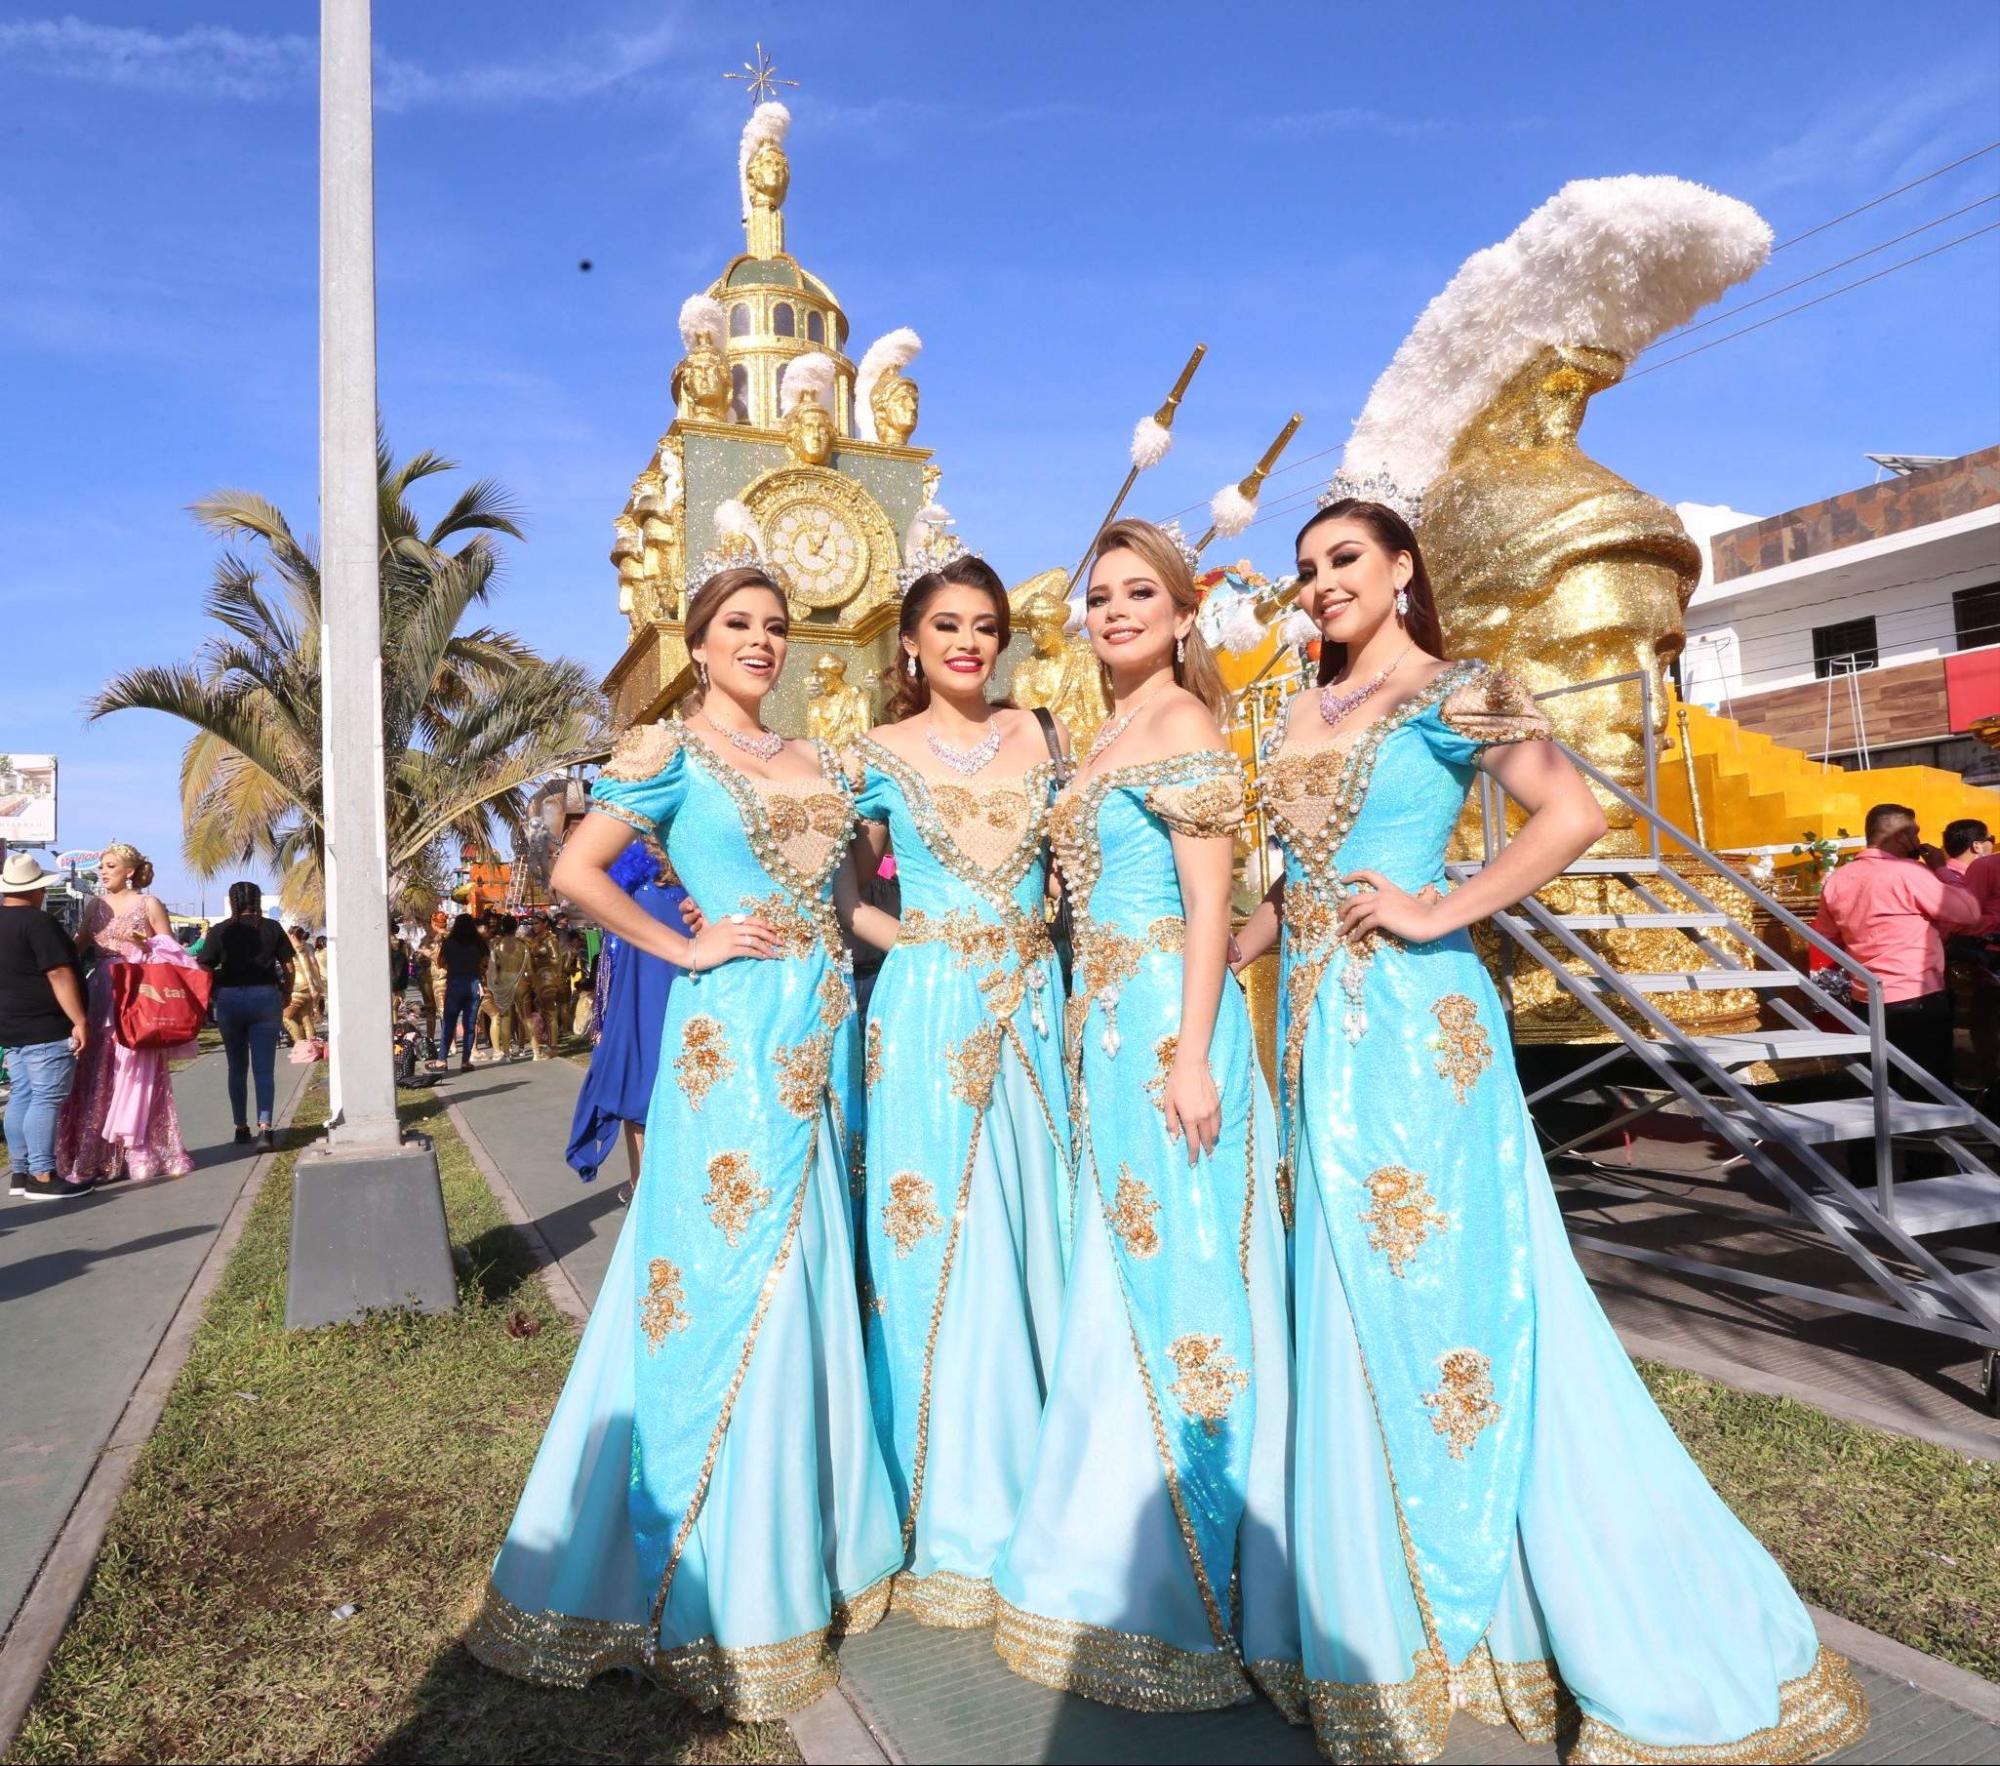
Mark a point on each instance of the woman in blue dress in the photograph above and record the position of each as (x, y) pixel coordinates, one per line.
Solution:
(618, 1089)
(1490, 1513)
(709, 1505)
(968, 1186)
(1148, 1567)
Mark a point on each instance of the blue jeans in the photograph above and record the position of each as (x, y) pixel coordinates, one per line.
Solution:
(249, 1019)
(41, 1073)
(461, 996)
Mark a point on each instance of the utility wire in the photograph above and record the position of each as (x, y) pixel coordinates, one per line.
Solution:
(1887, 195)
(1832, 293)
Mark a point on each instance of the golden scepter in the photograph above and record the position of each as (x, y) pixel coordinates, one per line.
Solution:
(1234, 507)
(1151, 438)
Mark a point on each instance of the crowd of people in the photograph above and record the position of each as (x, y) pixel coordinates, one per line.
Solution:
(85, 1109)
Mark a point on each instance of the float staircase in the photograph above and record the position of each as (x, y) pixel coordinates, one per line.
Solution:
(1841, 1163)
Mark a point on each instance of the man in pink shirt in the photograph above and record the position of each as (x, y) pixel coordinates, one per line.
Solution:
(1889, 911)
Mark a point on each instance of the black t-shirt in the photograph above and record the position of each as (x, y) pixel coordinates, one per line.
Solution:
(31, 944)
(462, 958)
(246, 952)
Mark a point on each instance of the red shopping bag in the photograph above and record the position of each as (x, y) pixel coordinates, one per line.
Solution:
(159, 1005)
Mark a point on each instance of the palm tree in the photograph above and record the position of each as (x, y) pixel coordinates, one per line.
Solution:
(470, 718)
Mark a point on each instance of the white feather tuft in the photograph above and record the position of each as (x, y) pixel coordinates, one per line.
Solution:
(733, 521)
(1610, 263)
(1297, 627)
(768, 122)
(1242, 631)
(1231, 511)
(1150, 441)
(812, 370)
(701, 318)
(894, 349)
(929, 526)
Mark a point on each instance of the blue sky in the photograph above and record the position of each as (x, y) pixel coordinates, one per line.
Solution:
(1060, 198)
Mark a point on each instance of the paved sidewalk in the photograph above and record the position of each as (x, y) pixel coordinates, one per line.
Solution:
(942, 1696)
(87, 1288)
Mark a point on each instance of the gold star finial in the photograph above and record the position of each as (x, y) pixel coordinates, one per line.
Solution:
(761, 77)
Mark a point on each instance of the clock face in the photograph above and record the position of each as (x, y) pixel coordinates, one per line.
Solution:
(823, 554)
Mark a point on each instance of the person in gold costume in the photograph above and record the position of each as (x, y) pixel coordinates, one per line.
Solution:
(1063, 674)
(547, 988)
(838, 713)
(506, 977)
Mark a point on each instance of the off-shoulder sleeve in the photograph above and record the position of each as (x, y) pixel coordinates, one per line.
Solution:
(1488, 710)
(1207, 799)
(644, 780)
(867, 785)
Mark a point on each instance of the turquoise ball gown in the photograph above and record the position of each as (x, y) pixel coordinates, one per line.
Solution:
(1148, 1566)
(709, 1505)
(1489, 1511)
(965, 1218)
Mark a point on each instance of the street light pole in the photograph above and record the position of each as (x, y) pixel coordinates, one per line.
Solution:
(368, 1226)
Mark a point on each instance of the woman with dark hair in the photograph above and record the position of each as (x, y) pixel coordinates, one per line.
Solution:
(1490, 1512)
(709, 1506)
(964, 1094)
(1148, 1566)
(252, 962)
(461, 959)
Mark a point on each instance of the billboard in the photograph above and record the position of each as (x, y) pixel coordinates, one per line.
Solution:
(28, 799)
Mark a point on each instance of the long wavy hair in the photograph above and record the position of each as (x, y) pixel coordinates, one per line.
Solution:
(1197, 669)
(1393, 534)
(708, 600)
(913, 691)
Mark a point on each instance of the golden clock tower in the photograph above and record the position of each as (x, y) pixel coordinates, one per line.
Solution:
(772, 417)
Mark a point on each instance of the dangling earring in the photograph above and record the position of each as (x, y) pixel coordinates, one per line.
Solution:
(1180, 651)
(1402, 602)
(701, 675)
(913, 665)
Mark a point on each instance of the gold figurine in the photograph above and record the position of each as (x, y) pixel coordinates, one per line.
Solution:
(1062, 675)
(839, 713)
(809, 430)
(893, 403)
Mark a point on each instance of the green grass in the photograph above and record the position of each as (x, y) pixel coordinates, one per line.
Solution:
(377, 1464)
(1898, 1535)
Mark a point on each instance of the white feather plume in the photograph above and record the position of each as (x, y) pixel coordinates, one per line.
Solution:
(1610, 263)
(768, 122)
(1297, 627)
(814, 371)
(1150, 441)
(733, 521)
(894, 349)
(1231, 511)
(931, 523)
(701, 320)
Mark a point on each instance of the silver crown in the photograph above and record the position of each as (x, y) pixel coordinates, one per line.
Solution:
(1377, 487)
(1183, 545)
(935, 554)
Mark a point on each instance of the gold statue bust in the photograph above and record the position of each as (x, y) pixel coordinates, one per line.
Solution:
(893, 403)
(701, 384)
(660, 545)
(628, 553)
(838, 713)
(1555, 568)
(767, 175)
(1062, 675)
(809, 430)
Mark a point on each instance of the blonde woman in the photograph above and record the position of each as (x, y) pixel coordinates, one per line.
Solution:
(119, 1120)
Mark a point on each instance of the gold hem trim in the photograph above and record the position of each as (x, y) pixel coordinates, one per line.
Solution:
(945, 1600)
(1821, 1712)
(1122, 1668)
(748, 1685)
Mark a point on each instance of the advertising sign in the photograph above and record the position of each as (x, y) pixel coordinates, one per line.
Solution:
(28, 799)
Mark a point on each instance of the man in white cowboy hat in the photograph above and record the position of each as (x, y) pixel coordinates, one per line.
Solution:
(42, 1026)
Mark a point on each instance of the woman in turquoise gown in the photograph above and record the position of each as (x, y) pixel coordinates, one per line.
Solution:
(968, 1188)
(1490, 1513)
(1148, 1566)
(709, 1505)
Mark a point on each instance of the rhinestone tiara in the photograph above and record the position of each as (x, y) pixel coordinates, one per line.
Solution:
(1183, 545)
(1376, 487)
(941, 550)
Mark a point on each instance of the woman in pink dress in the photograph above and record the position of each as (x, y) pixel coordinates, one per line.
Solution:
(119, 1119)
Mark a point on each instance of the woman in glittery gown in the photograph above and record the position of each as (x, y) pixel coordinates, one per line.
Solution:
(1148, 1567)
(966, 1215)
(1489, 1511)
(119, 1119)
(709, 1505)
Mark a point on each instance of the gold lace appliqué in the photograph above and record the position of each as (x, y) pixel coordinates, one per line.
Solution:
(1210, 1381)
(734, 1194)
(910, 1215)
(1131, 1216)
(665, 1307)
(975, 1064)
(871, 1070)
(1402, 1216)
(704, 1061)
(1465, 1050)
(1463, 1404)
(802, 1069)
(1164, 1052)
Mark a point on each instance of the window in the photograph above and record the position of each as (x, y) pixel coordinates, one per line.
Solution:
(739, 320)
(1975, 613)
(739, 394)
(815, 328)
(1844, 647)
(782, 321)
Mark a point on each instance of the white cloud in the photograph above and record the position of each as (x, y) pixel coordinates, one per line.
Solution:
(1342, 120)
(212, 61)
(1877, 133)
